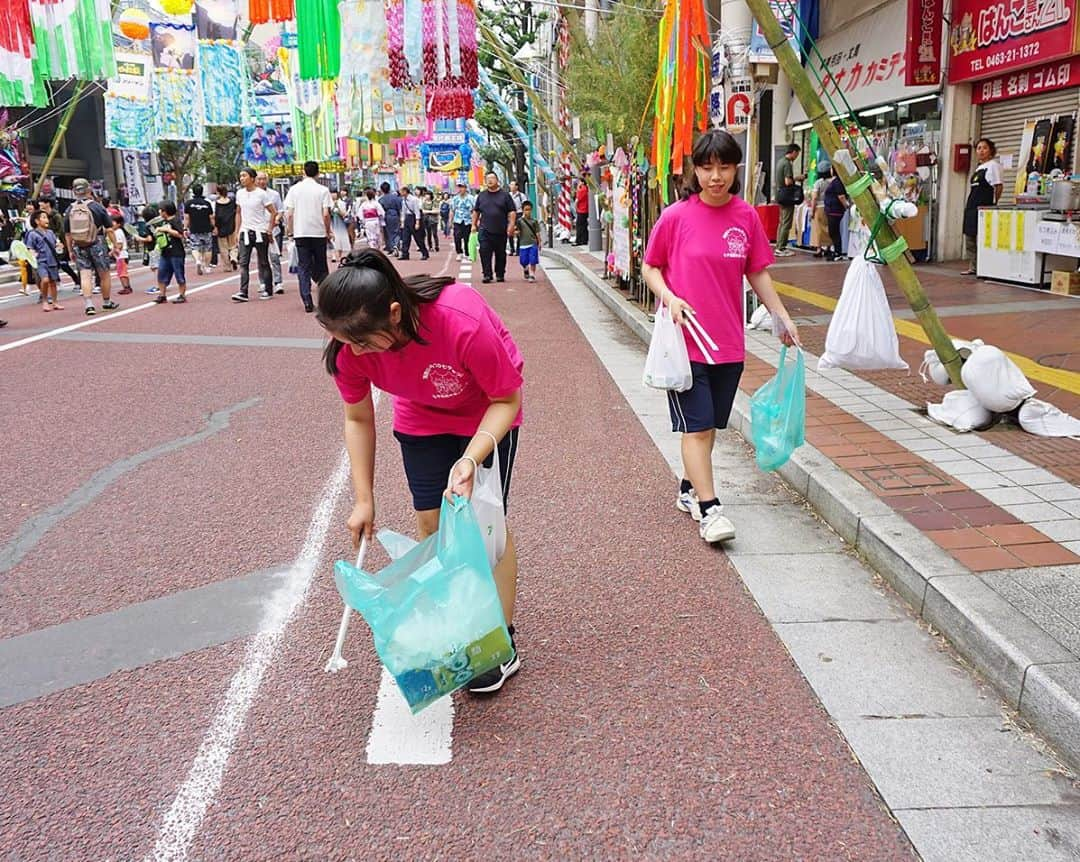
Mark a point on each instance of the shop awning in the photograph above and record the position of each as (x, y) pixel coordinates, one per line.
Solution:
(867, 59)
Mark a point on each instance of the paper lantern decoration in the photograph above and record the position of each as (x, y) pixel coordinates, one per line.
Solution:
(177, 7)
(135, 24)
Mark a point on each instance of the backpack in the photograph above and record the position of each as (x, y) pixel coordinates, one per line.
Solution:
(82, 228)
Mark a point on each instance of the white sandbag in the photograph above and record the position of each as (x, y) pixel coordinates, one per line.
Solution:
(760, 319)
(932, 369)
(862, 336)
(1046, 420)
(995, 380)
(960, 410)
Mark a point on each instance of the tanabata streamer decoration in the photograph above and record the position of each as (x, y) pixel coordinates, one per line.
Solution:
(73, 38)
(135, 24)
(368, 105)
(129, 123)
(18, 83)
(312, 103)
(433, 42)
(318, 39)
(261, 11)
(682, 91)
(224, 83)
(178, 106)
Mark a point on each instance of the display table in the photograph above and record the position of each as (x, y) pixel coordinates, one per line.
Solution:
(1025, 244)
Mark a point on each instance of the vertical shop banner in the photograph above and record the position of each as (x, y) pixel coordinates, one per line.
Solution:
(1027, 137)
(620, 226)
(133, 178)
(989, 37)
(922, 59)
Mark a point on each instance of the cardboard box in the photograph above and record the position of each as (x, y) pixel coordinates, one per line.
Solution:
(1067, 283)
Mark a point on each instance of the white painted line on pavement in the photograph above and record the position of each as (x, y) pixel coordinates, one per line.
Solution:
(102, 316)
(399, 737)
(188, 809)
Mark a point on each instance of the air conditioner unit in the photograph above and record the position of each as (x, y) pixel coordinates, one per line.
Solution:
(765, 73)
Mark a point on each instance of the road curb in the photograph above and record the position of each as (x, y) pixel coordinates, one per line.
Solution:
(1032, 671)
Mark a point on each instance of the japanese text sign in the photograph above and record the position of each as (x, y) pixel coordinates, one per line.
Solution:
(922, 56)
(1027, 82)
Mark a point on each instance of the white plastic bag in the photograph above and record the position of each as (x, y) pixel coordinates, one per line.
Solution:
(960, 410)
(995, 380)
(487, 503)
(932, 369)
(862, 336)
(1046, 420)
(760, 319)
(668, 364)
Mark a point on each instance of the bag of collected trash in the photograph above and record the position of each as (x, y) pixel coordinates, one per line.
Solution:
(434, 613)
(960, 410)
(778, 413)
(1046, 420)
(290, 254)
(995, 380)
(487, 503)
(760, 319)
(862, 336)
(932, 369)
(667, 365)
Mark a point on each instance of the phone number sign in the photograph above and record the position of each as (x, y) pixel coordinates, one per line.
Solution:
(989, 37)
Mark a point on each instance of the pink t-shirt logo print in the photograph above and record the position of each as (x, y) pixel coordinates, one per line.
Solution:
(738, 243)
(447, 381)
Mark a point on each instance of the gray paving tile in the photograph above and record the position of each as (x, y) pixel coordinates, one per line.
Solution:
(1060, 531)
(791, 531)
(1048, 833)
(1013, 495)
(1035, 476)
(1031, 512)
(882, 669)
(1057, 492)
(954, 762)
(986, 481)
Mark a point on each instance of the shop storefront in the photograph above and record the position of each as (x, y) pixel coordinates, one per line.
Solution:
(897, 105)
(1025, 81)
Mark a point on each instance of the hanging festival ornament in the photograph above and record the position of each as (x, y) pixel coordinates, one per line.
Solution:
(282, 10)
(318, 39)
(18, 83)
(135, 24)
(177, 8)
(258, 11)
(73, 39)
(682, 87)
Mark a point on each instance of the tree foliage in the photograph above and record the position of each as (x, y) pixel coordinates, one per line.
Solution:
(217, 159)
(610, 83)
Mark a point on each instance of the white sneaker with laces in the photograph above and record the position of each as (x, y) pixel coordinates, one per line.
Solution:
(687, 501)
(715, 527)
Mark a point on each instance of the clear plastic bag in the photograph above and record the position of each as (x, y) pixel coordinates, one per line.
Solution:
(667, 365)
(434, 613)
(862, 335)
(487, 503)
(778, 413)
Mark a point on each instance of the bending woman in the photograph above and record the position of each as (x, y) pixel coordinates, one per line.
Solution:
(455, 376)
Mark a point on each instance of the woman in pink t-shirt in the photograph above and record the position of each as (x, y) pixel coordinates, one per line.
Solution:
(454, 374)
(699, 251)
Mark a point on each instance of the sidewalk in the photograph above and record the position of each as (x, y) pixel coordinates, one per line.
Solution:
(979, 532)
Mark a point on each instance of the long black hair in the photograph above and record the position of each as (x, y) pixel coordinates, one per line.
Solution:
(354, 301)
(716, 145)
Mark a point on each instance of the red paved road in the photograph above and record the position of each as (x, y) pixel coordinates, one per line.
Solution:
(656, 715)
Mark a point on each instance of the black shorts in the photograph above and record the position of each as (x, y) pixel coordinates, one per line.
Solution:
(706, 404)
(429, 459)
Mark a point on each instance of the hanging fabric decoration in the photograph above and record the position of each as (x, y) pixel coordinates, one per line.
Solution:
(258, 11)
(129, 123)
(73, 38)
(178, 107)
(682, 92)
(216, 19)
(224, 83)
(282, 10)
(18, 84)
(318, 39)
(368, 105)
(315, 135)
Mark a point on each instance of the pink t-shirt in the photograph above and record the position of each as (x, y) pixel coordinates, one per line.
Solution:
(446, 385)
(704, 252)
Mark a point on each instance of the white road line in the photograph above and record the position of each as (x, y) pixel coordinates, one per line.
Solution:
(102, 316)
(184, 817)
(399, 737)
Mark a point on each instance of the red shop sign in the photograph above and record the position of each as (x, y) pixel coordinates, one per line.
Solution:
(922, 54)
(1027, 82)
(989, 37)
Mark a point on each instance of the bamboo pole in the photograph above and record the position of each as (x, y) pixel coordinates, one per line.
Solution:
(865, 200)
(61, 130)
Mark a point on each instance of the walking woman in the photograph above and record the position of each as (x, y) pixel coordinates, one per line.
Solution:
(372, 217)
(986, 185)
(699, 251)
(454, 373)
(836, 205)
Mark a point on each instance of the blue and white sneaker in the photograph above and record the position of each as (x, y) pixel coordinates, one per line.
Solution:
(151, 290)
(687, 501)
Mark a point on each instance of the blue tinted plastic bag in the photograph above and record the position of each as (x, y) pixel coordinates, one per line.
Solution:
(434, 613)
(778, 413)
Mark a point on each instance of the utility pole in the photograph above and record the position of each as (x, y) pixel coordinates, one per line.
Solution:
(859, 187)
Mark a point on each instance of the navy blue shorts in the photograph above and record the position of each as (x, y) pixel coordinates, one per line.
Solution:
(529, 255)
(429, 459)
(706, 404)
(168, 267)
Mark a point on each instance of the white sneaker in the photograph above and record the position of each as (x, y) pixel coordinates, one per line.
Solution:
(687, 501)
(715, 527)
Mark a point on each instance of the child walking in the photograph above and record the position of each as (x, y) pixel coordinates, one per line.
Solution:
(454, 373)
(171, 263)
(121, 253)
(42, 241)
(699, 251)
(528, 234)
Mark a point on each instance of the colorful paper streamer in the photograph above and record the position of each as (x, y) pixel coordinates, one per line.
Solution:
(129, 123)
(178, 106)
(73, 39)
(224, 83)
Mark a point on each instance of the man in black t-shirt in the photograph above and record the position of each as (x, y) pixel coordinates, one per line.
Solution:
(199, 223)
(494, 215)
(225, 227)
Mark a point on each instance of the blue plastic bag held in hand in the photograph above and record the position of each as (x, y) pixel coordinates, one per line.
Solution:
(778, 413)
(434, 613)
